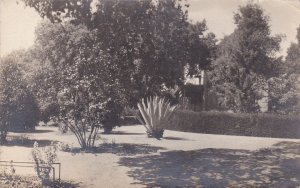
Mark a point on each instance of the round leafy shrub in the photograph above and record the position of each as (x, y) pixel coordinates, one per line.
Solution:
(19, 111)
(48, 111)
(112, 115)
(24, 113)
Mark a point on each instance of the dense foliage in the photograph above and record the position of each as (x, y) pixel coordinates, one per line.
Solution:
(285, 89)
(79, 78)
(245, 60)
(92, 60)
(95, 57)
(148, 42)
(19, 110)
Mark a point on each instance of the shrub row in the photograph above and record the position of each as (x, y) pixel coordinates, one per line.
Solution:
(261, 124)
(129, 120)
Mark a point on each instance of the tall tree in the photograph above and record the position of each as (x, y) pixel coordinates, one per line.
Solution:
(285, 88)
(19, 110)
(149, 42)
(77, 75)
(201, 48)
(245, 60)
(292, 62)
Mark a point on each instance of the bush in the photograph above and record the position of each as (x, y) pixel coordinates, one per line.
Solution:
(111, 115)
(25, 113)
(261, 124)
(48, 111)
(8, 171)
(3, 132)
(128, 116)
(19, 110)
(81, 117)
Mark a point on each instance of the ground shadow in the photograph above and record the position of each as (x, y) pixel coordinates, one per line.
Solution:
(27, 142)
(66, 184)
(275, 167)
(119, 149)
(174, 138)
(42, 131)
(122, 133)
(31, 131)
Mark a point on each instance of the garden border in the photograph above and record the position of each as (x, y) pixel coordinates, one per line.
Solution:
(26, 165)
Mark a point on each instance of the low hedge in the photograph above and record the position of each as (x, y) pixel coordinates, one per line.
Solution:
(259, 124)
(129, 120)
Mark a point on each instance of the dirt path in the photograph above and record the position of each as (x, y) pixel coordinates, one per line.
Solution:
(130, 159)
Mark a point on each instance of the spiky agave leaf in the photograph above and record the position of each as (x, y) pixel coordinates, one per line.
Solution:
(156, 113)
(144, 113)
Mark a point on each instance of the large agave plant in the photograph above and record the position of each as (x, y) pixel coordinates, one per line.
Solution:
(155, 113)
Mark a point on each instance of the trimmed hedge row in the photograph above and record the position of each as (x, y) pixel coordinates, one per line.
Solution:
(261, 124)
(129, 120)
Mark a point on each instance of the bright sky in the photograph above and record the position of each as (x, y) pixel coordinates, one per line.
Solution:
(17, 26)
(18, 23)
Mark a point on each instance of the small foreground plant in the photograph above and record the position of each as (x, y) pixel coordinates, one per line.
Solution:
(8, 171)
(44, 159)
(155, 115)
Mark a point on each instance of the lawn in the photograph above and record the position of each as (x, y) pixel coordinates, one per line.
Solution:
(129, 159)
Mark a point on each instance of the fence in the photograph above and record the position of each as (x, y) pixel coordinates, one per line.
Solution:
(56, 166)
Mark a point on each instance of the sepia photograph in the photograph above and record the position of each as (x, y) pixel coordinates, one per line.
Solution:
(149, 93)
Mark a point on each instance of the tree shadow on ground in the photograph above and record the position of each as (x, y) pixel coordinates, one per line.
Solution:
(119, 149)
(278, 166)
(42, 131)
(174, 138)
(31, 131)
(27, 142)
(122, 133)
(66, 184)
